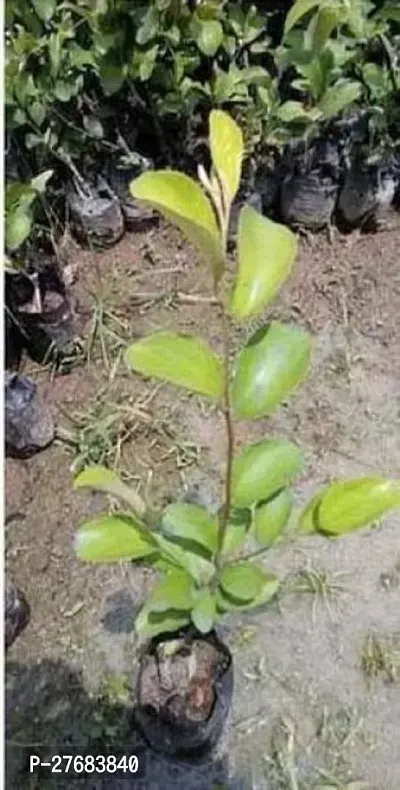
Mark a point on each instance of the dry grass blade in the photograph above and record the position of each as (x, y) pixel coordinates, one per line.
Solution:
(98, 434)
(381, 657)
(108, 332)
(319, 582)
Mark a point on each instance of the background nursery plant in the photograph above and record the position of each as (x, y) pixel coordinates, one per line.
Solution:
(210, 562)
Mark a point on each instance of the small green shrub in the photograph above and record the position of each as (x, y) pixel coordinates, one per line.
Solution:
(206, 569)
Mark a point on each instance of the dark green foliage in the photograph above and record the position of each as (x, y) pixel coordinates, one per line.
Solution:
(160, 66)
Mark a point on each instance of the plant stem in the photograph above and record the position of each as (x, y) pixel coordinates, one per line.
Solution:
(223, 212)
(230, 442)
(252, 556)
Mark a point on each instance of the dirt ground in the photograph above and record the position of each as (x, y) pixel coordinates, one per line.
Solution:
(317, 675)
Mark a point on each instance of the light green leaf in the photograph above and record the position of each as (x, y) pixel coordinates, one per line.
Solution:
(200, 569)
(184, 204)
(174, 591)
(39, 183)
(308, 519)
(338, 97)
(32, 140)
(204, 611)
(37, 111)
(44, 8)
(272, 363)
(192, 523)
(149, 624)
(81, 57)
(63, 91)
(352, 504)
(299, 9)
(148, 62)
(226, 143)
(18, 228)
(210, 37)
(270, 587)
(113, 538)
(376, 78)
(19, 117)
(328, 18)
(236, 531)
(256, 75)
(262, 469)
(93, 127)
(294, 111)
(242, 581)
(266, 251)
(180, 359)
(271, 517)
(99, 478)
(149, 28)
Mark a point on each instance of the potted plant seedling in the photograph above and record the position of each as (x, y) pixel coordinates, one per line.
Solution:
(185, 674)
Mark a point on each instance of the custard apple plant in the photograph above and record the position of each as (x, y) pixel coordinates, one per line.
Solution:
(205, 564)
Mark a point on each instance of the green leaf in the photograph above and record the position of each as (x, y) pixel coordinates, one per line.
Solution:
(64, 91)
(236, 530)
(44, 8)
(148, 62)
(226, 143)
(200, 569)
(292, 111)
(242, 581)
(352, 504)
(271, 517)
(149, 28)
(229, 86)
(112, 538)
(272, 363)
(266, 251)
(172, 592)
(39, 183)
(55, 50)
(210, 37)
(184, 204)
(204, 611)
(37, 111)
(270, 587)
(328, 18)
(32, 140)
(390, 11)
(338, 97)
(376, 78)
(299, 9)
(80, 57)
(99, 478)
(149, 624)
(180, 359)
(256, 75)
(19, 117)
(191, 523)
(112, 75)
(18, 228)
(308, 520)
(93, 127)
(262, 469)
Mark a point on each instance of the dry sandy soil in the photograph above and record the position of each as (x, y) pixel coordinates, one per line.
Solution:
(308, 709)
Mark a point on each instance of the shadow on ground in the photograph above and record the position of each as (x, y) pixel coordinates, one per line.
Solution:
(48, 712)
